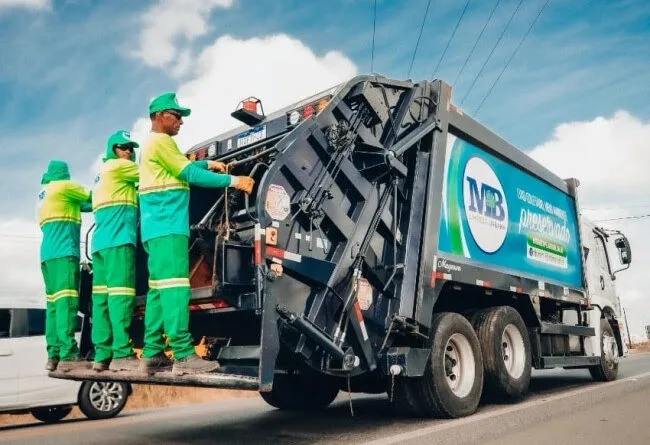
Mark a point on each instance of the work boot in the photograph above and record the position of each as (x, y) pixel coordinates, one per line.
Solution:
(130, 363)
(51, 364)
(157, 363)
(193, 364)
(75, 363)
(101, 366)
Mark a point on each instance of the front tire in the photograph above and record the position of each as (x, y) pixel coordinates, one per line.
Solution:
(453, 378)
(102, 400)
(607, 370)
(51, 414)
(507, 358)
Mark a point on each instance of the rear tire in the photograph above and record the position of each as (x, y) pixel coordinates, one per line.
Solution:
(453, 378)
(301, 391)
(507, 357)
(51, 414)
(607, 370)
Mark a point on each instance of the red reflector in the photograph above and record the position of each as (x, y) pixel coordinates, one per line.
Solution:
(250, 105)
(219, 304)
(308, 111)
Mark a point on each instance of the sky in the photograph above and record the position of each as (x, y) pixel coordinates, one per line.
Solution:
(574, 96)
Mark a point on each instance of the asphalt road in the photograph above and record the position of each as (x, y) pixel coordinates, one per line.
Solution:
(564, 407)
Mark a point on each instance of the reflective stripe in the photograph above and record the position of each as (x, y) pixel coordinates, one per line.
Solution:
(59, 219)
(100, 289)
(169, 283)
(66, 293)
(121, 202)
(48, 297)
(129, 291)
(165, 187)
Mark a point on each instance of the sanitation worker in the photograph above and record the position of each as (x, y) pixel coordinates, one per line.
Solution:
(115, 205)
(61, 202)
(165, 176)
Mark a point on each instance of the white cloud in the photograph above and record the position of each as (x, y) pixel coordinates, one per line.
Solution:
(37, 5)
(277, 69)
(19, 260)
(610, 156)
(170, 23)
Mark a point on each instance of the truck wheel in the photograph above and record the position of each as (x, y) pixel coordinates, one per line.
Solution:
(453, 378)
(607, 370)
(102, 400)
(301, 391)
(507, 359)
(51, 414)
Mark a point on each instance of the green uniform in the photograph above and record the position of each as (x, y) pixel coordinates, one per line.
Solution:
(115, 207)
(165, 175)
(60, 204)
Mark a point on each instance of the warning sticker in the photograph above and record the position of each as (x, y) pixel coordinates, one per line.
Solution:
(278, 203)
(364, 294)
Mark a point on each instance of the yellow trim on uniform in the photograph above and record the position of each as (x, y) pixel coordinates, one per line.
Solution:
(100, 289)
(66, 293)
(165, 187)
(169, 283)
(59, 219)
(120, 202)
(128, 291)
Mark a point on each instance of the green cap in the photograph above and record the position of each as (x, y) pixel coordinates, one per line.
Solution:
(120, 137)
(167, 101)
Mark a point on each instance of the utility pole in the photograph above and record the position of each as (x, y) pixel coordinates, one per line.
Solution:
(627, 327)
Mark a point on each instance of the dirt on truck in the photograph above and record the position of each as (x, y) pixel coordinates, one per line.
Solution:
(392, 244)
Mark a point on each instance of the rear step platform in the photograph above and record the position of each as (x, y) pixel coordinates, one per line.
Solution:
(210, 380)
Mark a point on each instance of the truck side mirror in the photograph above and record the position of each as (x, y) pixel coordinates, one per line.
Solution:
(624, 251)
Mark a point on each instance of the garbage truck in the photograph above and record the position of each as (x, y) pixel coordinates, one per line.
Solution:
(392, 244)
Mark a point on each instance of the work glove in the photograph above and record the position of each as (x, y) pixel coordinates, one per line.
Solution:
(244, 183)
(217, 166)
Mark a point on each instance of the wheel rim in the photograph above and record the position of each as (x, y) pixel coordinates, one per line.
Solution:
(459, 363)
(611, 351)
(513, 351)
(106, 397)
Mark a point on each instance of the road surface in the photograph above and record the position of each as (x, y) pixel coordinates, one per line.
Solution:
(564, 407)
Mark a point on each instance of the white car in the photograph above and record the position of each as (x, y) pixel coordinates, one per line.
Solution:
(24, 383)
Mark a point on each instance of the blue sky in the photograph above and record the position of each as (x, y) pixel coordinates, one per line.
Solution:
(74, 71)
(70, 72)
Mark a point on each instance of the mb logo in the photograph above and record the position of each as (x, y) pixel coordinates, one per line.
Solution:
(486, 199)
(486, 208)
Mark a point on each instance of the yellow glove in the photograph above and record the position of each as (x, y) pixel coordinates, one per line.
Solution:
(244, 183)
(217, 166)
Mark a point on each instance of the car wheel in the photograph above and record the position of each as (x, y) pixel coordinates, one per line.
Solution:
(102, 400)
(51, 414)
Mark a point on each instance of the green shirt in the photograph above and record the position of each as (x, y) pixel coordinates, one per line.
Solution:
(165, 178)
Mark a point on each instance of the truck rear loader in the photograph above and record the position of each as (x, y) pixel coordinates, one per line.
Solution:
(392, 244)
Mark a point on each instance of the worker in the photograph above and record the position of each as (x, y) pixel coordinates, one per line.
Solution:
(115, 206)
(61, 202)
(165, 175)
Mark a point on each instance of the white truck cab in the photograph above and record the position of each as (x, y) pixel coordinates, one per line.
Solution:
(24, 384)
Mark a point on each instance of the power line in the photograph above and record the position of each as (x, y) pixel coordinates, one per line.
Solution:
(624, 217)
(476, 42)
(442, 56)
(424, 19)
(512, 56)
(374, 29)
(491, 52)
(618, 207)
